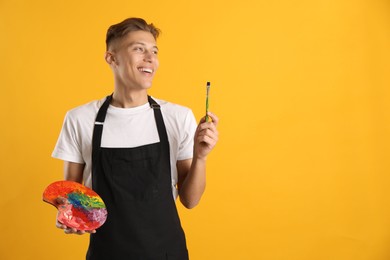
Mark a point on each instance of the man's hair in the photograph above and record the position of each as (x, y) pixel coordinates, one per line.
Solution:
(121, 29)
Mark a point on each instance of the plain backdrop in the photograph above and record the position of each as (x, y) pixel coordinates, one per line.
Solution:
(301, 171)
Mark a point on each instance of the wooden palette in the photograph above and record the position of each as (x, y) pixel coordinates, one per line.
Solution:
(83, 209)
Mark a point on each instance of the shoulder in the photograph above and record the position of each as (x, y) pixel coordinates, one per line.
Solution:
(179, 118)
(173, 110)
(86, 111)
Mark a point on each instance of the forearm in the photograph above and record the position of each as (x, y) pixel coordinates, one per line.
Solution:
(73, 171)
(193, 186)
(192, 173)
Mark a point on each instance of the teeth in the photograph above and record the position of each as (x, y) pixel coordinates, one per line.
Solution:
(146, 70)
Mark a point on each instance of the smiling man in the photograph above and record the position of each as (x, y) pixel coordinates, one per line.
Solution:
(138, 153)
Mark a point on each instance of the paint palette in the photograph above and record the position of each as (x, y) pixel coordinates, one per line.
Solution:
(83, 208)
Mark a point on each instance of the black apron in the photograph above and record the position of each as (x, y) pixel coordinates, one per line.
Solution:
(135, 184)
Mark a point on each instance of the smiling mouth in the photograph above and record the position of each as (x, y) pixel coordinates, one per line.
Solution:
(147, 70)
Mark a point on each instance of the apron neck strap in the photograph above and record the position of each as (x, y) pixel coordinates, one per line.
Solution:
(101, 116)
(162, 131)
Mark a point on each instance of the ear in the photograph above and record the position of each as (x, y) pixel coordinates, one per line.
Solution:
(110, 58)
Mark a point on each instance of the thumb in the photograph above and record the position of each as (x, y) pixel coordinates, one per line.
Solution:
(61, 200)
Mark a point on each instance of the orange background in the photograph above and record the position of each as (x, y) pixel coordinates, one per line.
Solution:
(301, 171)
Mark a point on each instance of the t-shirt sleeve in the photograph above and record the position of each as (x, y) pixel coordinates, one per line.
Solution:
(187, 137)
(68, 146)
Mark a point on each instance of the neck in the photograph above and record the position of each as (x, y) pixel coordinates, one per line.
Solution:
(127, 99)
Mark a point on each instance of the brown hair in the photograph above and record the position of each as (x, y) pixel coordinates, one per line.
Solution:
(119, 30)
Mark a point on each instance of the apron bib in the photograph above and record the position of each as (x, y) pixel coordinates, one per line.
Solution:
(135, 184)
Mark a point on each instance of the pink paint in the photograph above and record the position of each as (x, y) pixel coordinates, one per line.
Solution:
(82, 209)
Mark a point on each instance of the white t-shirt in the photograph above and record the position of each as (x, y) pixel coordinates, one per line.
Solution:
(125, 127)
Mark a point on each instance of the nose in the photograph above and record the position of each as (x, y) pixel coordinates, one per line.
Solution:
(148, 56)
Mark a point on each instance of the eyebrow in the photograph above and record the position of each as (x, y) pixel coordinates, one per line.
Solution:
(141, 43)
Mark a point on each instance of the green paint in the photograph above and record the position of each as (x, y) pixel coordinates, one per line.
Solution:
(207, 100)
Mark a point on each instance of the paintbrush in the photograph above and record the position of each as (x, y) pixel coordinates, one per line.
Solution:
(207, 100)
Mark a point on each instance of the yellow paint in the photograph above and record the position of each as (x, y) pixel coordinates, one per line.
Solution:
(302, 90)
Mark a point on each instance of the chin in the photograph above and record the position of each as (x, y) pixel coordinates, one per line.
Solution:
(147, 85)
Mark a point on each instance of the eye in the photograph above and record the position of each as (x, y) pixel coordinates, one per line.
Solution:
(155, 52)
(139, 49)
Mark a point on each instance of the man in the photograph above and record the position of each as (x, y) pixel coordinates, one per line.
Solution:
(138, 153)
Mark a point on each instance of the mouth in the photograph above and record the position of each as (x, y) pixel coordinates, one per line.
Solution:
(146, 70)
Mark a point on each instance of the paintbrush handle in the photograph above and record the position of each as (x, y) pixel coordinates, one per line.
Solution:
(207, 100)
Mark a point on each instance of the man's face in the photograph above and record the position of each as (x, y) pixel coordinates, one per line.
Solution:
(135, 60)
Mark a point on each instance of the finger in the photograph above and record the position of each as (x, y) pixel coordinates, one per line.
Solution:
(212, 133)
(205, 146)
(211, 115)
(202, 120)
(209, 141)
(214, 118)
(69, 230)
(80, 232)
(210, 127)
(60, 225)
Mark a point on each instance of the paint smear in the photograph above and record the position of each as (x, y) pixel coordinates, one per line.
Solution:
(82, 209)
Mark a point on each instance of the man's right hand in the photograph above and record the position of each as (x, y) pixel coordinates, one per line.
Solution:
(69, 230)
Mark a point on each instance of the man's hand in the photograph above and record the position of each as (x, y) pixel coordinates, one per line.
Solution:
(206, 136)
(192, 172)
(68, 230)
